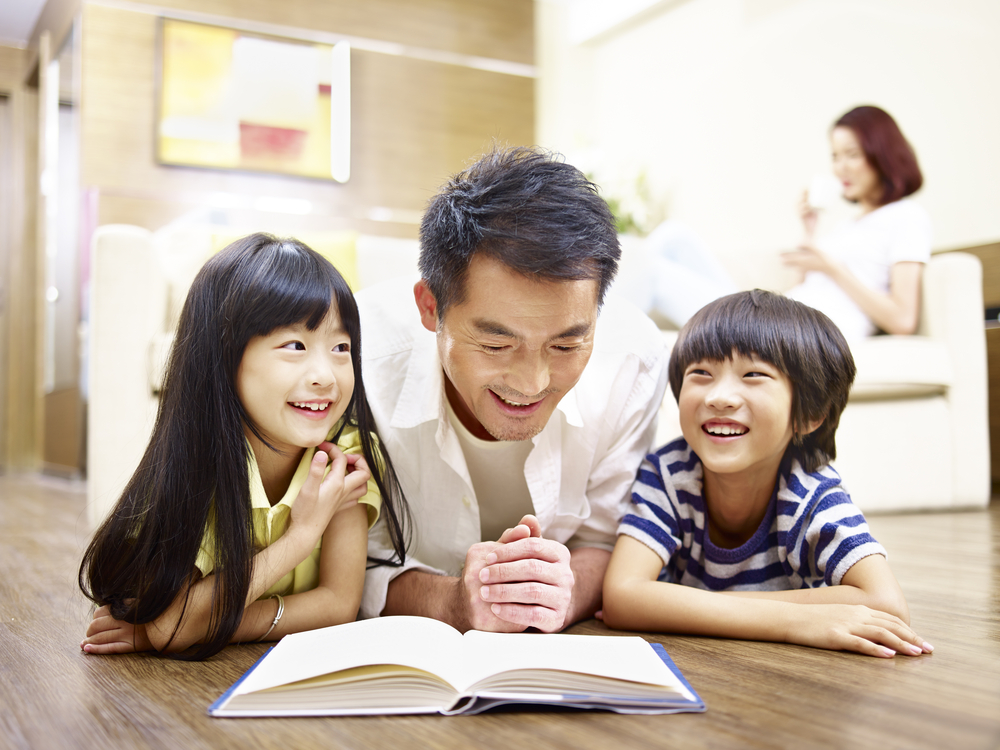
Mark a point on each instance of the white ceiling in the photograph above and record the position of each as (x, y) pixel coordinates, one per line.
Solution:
(17, 21)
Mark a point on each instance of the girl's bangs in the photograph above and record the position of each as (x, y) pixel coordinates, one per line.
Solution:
(295, 286)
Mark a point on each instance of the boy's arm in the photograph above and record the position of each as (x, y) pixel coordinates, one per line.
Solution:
(869, 582)
(635, 600)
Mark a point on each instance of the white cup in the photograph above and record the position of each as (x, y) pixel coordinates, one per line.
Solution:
(824, 189)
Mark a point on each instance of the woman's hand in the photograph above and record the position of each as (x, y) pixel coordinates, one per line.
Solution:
(810, 258)
(809, 216)
(106, 635)
(854, 627)
(321, 497)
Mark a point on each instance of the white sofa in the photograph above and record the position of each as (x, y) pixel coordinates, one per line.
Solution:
(914, 435)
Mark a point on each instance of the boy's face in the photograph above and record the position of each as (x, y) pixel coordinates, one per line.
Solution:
(736, 415)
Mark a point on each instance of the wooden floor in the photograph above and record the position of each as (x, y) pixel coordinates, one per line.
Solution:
(758, 695)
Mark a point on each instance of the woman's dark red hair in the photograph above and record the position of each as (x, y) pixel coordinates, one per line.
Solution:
(886, 150)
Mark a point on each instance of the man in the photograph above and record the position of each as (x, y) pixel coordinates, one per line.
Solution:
(511, 409)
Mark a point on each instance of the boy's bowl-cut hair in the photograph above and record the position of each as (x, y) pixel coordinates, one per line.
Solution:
(801, 342)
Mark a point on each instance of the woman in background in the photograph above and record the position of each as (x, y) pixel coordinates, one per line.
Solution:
(865, 275)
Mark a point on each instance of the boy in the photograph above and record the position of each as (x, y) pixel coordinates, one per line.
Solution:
(758, 538)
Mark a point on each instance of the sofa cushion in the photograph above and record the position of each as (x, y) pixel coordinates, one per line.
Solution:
(900, 367)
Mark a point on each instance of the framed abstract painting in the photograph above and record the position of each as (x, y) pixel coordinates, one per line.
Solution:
(230, 99)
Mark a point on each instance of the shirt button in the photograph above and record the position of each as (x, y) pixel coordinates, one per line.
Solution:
(466, 501)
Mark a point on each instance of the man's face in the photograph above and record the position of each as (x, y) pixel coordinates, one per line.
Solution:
(513, 348)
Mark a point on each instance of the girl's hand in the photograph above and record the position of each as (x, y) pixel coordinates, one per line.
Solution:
(106, 635)
(809, 216)
(854, 627)
(320, 498)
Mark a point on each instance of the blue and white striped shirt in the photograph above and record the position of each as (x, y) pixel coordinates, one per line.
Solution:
(811, 534)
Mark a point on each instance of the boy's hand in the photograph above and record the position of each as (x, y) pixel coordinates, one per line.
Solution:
(106, 635)
(854, 627)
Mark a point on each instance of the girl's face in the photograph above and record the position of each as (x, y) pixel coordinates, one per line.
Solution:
(296, 383)
(860, 180)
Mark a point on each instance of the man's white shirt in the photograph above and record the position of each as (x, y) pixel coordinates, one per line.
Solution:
(579, 472)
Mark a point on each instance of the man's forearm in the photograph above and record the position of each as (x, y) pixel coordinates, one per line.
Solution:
(589, 565)
(417, 592)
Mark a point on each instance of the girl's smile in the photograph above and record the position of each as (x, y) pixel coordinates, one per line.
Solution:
(295, 384)
(313, 409)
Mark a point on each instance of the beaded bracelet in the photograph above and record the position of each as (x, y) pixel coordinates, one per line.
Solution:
(281, 611)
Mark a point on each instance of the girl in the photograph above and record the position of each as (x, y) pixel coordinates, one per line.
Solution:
(232, 528)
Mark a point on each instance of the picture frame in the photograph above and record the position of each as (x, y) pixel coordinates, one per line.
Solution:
(232, 99)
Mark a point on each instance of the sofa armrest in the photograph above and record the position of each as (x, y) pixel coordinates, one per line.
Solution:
(127, 304)
(952, 312)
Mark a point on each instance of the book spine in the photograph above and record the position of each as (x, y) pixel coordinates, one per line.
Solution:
(218, 708)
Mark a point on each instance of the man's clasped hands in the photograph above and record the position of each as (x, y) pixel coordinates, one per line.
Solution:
(520, 581)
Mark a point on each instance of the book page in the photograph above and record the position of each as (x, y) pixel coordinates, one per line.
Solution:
(619, 657)
(418, 642)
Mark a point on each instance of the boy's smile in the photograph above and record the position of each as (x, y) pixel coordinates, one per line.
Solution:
(736, 415)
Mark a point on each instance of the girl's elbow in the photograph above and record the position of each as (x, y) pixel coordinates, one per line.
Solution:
(167, 636)
(161, 640)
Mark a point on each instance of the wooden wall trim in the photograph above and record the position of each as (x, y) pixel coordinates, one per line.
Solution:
(380, 46)
(21, 441)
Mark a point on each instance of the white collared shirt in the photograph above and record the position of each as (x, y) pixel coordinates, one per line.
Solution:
(579, 472)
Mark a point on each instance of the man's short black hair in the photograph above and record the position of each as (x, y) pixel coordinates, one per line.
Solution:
(801, 342)
(528, 209)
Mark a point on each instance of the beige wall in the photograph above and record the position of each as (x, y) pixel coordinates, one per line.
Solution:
(727, 105)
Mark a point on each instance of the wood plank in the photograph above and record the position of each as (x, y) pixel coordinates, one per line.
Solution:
(758, 694)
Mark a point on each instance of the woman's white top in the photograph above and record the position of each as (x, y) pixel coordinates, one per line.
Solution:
(869, 246)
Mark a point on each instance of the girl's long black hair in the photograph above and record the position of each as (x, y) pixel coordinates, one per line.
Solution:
(194, 471)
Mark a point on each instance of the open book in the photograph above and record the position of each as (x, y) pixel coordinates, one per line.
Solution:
(406, 665)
